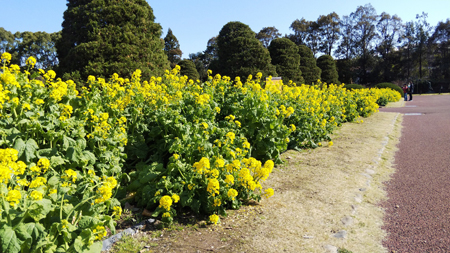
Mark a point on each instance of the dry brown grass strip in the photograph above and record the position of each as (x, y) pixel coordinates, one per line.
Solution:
(316, 189)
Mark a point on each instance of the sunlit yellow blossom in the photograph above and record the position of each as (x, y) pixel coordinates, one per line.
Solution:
(38, 181)
(229, 179)
(13, 197)
(269, 193)
(214, 219)
(230, 136)
(219, 163)
(23, 182)
(217, 202)
(26, 106)
(70, 175)
(165, 202)
(203, 164)
(117, 212)
(232, 193)
(35, 169)
(214, 173)
(31, 61)
(175, 198)
(36, 195)
(43, 163)
(213, 186)
(6, 57)
(99, 232)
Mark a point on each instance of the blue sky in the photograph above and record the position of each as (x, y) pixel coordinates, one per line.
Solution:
(195, 22)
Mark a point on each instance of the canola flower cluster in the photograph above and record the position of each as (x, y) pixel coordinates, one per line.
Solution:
(207, 146)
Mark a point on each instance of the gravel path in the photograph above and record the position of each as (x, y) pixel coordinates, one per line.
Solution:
(418, 206)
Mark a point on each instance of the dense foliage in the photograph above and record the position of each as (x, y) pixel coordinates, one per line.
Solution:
(240, 53)
(329, 72)
(285, 57)
(22, 45)
(310, 72)
(187, 68)
(350, 86)
(102, 38)
(390, 86)
(172, 48)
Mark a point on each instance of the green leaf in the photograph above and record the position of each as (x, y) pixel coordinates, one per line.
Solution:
(36, 230)
(74, 154)
(9, 243)
(26, 150)
(81, 143)
(39, 209)
(94, 248)
(87, 222)
(19, 145)
(47, 152)
(109, 222)
(29, 233)
(56, 161)
(53, 181)
(68, 142)
(89, 156)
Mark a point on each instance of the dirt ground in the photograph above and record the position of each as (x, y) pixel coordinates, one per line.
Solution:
(325, 199)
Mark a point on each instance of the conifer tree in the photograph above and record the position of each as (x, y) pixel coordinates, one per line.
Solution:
(172, 48)
(310, 71)
(285, 57)
(328, 66)
(188, 69)
(103, 37)
(240, 53)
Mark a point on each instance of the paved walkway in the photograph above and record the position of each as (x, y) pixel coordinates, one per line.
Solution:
(418, 209)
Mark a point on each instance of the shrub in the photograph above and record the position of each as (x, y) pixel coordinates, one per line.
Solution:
(328, 66)
(188, 69)
(285, 57)
(391, 86)
(353, 86)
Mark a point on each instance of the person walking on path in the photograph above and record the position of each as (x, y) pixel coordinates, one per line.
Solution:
(410, 90)
(405, 92)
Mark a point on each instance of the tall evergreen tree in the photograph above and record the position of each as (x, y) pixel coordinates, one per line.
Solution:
(310, 72)
(172, 48)
(328, 66)
(285, 57)
(187, 68)
(240, 53)
(197, 59)
(103, 37)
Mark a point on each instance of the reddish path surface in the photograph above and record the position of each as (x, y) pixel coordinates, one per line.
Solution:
(418, 209)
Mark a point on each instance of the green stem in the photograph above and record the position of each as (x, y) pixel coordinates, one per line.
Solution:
(79, 204)
(61, 209)
(21, 220)
(5, 207)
